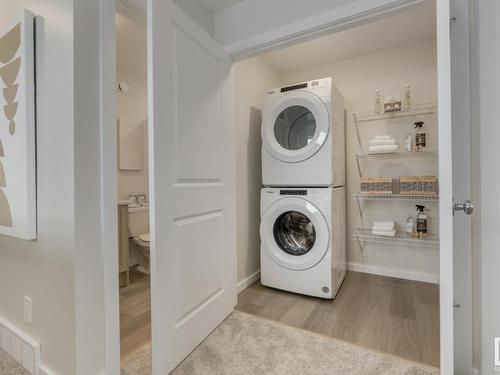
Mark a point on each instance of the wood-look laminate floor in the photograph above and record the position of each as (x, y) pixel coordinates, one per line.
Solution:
(135, 313)
(395, 316)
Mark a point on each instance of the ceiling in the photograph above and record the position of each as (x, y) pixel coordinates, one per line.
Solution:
(413, 26)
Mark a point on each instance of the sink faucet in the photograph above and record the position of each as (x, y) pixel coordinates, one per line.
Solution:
(141, 198)
(133, 198)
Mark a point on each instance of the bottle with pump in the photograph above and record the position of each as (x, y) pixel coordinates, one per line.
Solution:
(410, 226)
(422, 223)
(420, 136)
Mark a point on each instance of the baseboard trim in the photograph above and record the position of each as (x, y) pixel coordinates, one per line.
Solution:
(394, 272)
(245, 283)
(22, 348)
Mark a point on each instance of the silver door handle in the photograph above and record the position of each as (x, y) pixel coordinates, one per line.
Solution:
(467, 207)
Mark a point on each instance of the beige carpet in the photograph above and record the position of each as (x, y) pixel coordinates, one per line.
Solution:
(244, 344)
(10, 367)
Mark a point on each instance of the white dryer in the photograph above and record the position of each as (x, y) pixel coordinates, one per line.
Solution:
(303, 240)
(303, 135)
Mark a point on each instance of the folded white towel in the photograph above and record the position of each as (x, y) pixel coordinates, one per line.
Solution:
(382, 142)
(384, 233)
(382, 137)
(383, 226)
(383, 148)
(384, 223)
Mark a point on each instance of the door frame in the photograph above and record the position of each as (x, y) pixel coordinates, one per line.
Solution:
(344, 17)
(108, 188)
(486, 87)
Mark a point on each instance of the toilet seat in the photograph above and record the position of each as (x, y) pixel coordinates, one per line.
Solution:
(142, 240)
(144, 237)
(142, 250)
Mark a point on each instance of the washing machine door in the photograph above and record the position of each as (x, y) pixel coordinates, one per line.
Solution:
(295, 127)
(294, 233)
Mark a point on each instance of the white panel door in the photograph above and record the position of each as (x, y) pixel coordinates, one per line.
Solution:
(445, 187)
(193, 265)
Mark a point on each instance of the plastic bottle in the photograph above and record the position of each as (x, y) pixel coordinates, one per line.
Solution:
(407, 99)
(422, 223)
(378, 102)
(409, 142)
(420, 136)
(410, 226)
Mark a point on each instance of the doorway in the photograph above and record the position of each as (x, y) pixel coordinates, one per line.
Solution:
(389, 300)
(133, 185)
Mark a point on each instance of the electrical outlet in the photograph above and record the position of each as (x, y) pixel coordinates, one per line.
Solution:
(28, 304)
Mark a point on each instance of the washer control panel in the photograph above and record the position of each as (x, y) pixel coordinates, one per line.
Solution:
(293, 192)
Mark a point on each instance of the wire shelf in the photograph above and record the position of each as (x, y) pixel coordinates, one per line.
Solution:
(401, 238)
(394, 155)
(395, 197)
(415, 110)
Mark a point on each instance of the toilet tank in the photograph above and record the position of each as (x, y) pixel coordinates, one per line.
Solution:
(138, 220)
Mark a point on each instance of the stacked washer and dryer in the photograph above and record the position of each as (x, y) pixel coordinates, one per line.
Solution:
(303, 202)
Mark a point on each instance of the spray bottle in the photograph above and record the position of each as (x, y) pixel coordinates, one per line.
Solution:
(420, 136)
(422, 223)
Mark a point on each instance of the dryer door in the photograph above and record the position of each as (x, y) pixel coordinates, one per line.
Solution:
(294, 233)
(295, 127)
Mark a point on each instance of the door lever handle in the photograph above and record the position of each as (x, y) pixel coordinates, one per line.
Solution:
(467, 207)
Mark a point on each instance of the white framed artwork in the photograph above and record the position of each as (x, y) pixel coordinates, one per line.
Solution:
(17, 129)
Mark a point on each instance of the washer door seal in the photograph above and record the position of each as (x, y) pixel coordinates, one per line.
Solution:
(294, 233)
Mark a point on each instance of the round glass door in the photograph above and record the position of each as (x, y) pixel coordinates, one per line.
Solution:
(294, 233)
(295, 127)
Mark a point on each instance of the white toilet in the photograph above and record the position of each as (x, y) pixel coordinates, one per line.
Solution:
(138, 222)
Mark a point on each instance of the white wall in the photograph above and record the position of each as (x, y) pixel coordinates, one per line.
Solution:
(358, 78)
(252, 78)
(44, 269)
(133, 107)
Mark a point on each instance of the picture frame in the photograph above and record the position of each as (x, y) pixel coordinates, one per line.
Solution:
(18, 215)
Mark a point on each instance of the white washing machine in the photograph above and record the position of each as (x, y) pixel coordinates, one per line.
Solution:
(303, 240)
(303, 135)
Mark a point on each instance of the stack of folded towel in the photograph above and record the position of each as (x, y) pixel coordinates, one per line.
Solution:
(384, 228)
(383, 143)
